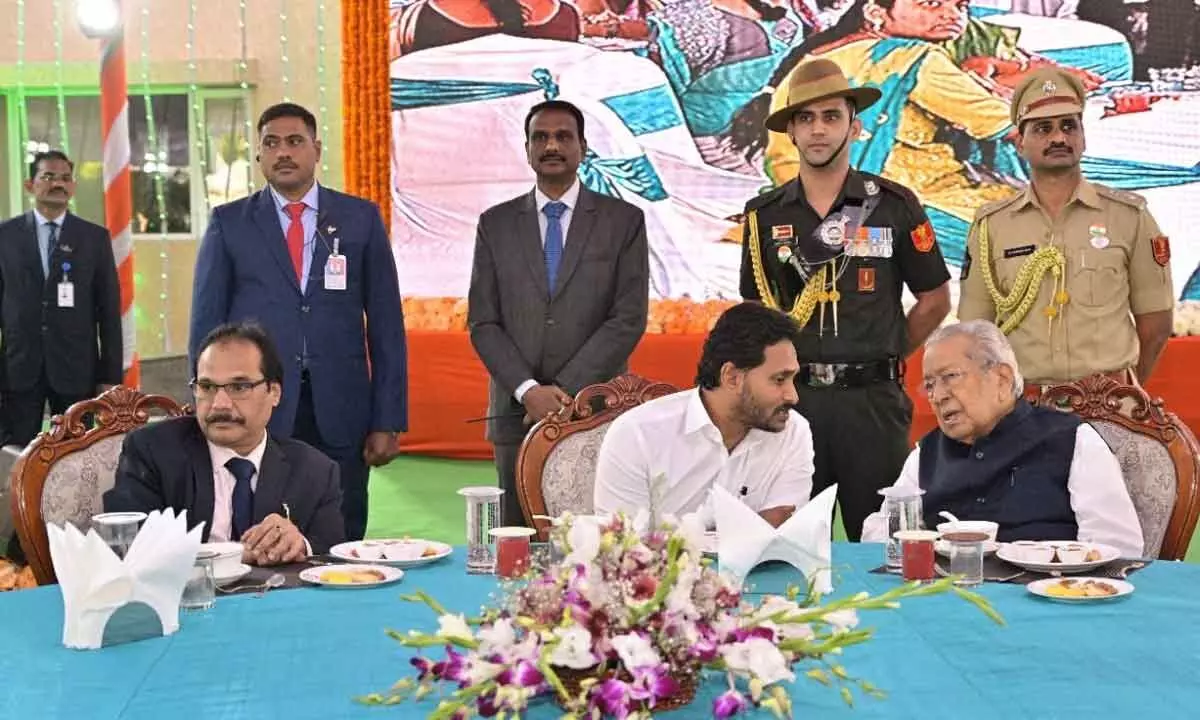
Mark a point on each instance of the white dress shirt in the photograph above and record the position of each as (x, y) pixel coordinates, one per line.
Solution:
(673, 436)
(223, 484)
(308, 220)
(1103, 509)
(570, 198)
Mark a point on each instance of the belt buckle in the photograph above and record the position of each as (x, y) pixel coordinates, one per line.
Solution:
(822, 375)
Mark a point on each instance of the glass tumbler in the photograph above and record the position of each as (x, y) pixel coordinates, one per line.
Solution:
(483, 516)
(902, 507)
(200, 592)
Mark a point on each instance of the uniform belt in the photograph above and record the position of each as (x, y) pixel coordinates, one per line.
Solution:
(1034, 391)
(851, 374)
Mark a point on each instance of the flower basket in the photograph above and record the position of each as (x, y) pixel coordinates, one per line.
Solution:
(628, 624)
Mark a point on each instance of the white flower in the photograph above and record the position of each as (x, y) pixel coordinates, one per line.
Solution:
(454, 626)
(842, 620)
(679, 600)
(635, 651)
(758, 658)
(480, 671)
(691, 527)
(584, 540)
(574, 649)
(499, 638)
(775, 604)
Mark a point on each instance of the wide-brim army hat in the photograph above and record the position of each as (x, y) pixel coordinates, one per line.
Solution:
(816, 80)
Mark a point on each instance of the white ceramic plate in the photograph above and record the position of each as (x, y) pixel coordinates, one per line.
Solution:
(1041, 588)
(1008, 554)
(242, 571)
(332, 575)
(989, 547)
(367, 551)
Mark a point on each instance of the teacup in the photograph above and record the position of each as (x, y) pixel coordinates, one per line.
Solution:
(1032, 552)
(983, 526)
(228, 560)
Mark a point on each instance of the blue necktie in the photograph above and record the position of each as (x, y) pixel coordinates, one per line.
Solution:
(48, 247)
(243, 496)
(554, 240)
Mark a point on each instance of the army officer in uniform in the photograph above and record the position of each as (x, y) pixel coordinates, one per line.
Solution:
(1076, 274)
(833, 249)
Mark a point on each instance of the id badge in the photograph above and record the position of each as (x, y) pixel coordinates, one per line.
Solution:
(66, 294)
(335, 272)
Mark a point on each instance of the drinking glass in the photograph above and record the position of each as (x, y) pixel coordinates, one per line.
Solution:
(118, 529)
(483, 516)
(200, 592)
(902, 507)
(512, 550)
(916, 554)
(966, 557)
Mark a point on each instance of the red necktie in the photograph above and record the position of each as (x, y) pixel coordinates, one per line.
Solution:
(295, 237)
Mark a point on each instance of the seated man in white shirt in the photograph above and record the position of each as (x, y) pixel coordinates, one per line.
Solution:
(736, 430)
(1041, 474)
(279, 497)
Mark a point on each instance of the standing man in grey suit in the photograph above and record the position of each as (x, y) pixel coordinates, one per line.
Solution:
(559, 289)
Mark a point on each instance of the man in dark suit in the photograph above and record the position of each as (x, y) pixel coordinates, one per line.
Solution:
(559, 289)
(279, 497)
(315, 267)
(60, 305)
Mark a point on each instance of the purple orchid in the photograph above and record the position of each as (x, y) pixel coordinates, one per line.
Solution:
(728, 704)
(453, 668)
(653, 684)
(522, 674)
(612, 697)
(705, 647)
(488, 707)
(425, 667)
(765, 633)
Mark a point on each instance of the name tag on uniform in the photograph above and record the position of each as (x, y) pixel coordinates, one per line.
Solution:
(335, 272)
(873, 242)
(66, 294)
(1019, 251)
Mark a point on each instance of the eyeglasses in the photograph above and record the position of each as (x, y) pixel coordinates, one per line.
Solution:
(236, 389)
(51, 177)
(950, 379)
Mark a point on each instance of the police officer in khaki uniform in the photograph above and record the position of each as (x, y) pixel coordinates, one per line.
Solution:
(834, 249)
(1077, 274)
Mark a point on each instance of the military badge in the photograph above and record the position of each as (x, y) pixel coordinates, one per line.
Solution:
(782, 232)
(871, 187)
(784, 253)
(833, 231)
(1048, 87)
(1162, 250)
(923, 238)
(866, 279)
(1099, 235)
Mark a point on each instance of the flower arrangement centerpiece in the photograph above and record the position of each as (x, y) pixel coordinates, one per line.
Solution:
(627, 623)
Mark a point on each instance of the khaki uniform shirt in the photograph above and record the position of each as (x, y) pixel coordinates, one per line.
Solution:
(1117, 266)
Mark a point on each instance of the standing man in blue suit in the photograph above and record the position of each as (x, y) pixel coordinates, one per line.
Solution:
(315, 268)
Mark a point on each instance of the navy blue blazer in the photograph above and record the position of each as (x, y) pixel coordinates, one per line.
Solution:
(244, 272)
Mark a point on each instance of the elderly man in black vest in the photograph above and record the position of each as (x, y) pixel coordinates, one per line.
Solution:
(1039, 473)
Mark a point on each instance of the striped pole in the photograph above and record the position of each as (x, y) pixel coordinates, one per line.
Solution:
(118, 198)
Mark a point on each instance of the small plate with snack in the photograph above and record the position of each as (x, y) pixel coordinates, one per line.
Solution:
(1060, 556)
(351, 576)
(1080, 589)
(401, 553)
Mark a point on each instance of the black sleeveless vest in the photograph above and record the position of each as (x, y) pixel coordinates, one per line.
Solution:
(1016, 476)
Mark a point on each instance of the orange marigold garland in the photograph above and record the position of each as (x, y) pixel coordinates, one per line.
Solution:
(366, 101)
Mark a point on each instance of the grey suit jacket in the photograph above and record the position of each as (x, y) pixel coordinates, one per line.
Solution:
(573, 335)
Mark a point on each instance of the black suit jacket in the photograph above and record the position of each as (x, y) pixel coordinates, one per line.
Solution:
(166, 465)
(79, 347)
(580, 332)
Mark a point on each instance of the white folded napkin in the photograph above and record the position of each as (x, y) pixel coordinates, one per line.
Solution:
(95, 583)
(745, 540)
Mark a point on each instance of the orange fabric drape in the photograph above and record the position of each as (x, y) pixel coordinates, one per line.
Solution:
(366, 102)
(448, 385)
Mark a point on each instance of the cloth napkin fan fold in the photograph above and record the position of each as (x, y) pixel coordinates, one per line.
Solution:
(745, 540)
(95, 583)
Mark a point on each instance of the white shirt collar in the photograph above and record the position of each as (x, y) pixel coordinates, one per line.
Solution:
(221, 454)
(570, 198)
(43, 220)
(309, 199)
(697, 418)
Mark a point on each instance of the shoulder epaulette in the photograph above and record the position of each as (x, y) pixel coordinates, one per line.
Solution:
(996, 205)
(1122, 196)
(762, 200)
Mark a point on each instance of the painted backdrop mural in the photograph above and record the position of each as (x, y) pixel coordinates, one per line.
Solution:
(675, 92)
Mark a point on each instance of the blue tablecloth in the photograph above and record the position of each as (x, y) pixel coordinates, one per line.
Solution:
(307, 653)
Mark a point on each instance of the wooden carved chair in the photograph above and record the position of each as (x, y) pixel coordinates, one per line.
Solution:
(63, 474)
(556, 467)
(1159, 456)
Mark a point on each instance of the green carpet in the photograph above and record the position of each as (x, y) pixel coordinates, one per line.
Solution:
(418, 497)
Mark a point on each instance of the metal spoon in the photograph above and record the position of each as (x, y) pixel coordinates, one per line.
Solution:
(276, 580)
